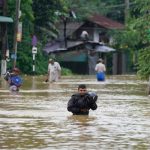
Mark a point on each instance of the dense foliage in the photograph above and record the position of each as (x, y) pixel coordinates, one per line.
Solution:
(24, 50)
(141, 24)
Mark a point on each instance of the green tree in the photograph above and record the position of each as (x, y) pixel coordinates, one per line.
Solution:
(45, 19)
(141, 23)
(24, 50)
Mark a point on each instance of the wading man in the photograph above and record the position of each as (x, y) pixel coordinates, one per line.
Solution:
(82, 102)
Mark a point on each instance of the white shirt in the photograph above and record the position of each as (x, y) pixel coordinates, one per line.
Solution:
(100, 67)
(54, 67)
(54, 71)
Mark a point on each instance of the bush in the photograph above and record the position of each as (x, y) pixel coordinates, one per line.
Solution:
(66, 72)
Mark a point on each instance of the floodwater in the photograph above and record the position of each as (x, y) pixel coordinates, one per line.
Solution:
(37, 118)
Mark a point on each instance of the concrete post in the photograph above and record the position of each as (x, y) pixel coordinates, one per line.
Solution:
(114, 67)
(4, 41)
(3, 67)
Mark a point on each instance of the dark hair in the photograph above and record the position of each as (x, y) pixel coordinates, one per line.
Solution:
(100, 60)
(16, 69)
(82, 86)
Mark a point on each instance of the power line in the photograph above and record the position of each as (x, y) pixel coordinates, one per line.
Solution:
(120, 5)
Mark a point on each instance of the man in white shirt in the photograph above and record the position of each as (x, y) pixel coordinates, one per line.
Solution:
(100, 69)
(54, 71)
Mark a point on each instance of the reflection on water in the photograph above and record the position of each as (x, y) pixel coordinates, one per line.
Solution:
(37, 118)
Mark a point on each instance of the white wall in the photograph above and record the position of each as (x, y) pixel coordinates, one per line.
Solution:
(96, 34)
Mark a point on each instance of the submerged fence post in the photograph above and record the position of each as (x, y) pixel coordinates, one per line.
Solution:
(149, 86)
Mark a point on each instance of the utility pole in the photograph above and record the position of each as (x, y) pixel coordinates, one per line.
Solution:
(15, 31)
(126, 11)
(126, 18)
(65, 36)
(4, 40)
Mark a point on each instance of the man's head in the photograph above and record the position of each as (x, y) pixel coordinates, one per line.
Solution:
(82, 89)
(51, 61)
(16, 70)
(100, 60)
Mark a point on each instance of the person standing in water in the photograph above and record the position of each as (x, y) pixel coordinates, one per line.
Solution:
(81, 102)
(100, 69)
(14, 80)
(54, 71)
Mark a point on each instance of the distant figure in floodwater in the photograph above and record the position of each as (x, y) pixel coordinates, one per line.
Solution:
(81, 102)
(54, 71)
(14, 80)
(100, 69)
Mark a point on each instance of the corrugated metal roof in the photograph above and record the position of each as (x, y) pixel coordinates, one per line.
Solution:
(54, 46)
(58, 46)
(5, 19)
(105, 22)
(1, 3)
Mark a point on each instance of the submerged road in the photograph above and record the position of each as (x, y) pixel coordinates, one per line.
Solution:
(37, 117)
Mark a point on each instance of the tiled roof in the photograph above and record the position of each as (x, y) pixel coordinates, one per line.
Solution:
(100, 20)
(71, 27)
(105, 22)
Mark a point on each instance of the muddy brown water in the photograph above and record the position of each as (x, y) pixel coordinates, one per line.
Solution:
(37, 117)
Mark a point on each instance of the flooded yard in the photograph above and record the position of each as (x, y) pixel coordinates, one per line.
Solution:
(37, 117)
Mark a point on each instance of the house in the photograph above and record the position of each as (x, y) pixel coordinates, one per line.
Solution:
(4, 20)
(80, 44)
